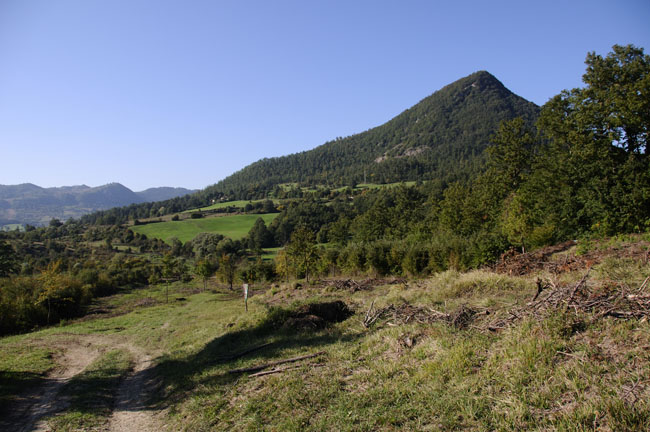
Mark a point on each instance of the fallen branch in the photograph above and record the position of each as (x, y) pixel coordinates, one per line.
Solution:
(275, 363)
(273, 371)
(577, 287)
(406, 313)
(279, 370)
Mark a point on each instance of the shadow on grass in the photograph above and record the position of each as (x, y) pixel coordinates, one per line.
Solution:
(180, 375)
(26, 398)
(95, 393)
(14, 393)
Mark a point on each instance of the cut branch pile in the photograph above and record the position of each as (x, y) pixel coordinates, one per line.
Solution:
(361, 285)
(520, 264)
(406, 313)
(617, 302)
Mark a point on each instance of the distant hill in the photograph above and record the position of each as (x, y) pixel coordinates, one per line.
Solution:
(441, 137)
(31, 204)
(162, 193)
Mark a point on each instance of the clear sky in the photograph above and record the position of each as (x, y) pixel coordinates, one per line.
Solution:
(183, 93)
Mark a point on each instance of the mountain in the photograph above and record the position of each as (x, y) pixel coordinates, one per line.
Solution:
(441, 137)
(162, 193)
(31, 204)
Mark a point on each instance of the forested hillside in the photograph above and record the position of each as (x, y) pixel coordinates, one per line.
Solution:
(441, 137)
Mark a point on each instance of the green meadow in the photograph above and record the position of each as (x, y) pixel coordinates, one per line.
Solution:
(235, 227)
(238, 204)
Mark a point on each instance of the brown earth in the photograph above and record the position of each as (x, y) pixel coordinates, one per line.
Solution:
(131, 412)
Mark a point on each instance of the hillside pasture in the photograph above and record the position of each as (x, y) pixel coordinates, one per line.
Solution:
(220, 205)
(235, 227)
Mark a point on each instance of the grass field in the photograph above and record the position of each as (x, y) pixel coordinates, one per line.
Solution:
(238, 204)
(556, 370)
(235, 227)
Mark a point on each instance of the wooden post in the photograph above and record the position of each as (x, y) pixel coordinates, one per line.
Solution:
(246, 296)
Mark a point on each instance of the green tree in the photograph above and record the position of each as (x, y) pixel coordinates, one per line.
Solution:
(204, 268)
(303, 252)
(515, 221)
(8, 259)
(227, 269)
(59, 291)
(259, 236)
(595, 158)
(50, 286)
(282, 264)
(174, 268)
(510, 155)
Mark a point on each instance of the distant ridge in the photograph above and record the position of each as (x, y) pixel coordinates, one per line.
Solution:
(28, 203)
(162, 193)
(441, 137)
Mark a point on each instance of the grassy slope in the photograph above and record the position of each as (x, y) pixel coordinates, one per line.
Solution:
(238, 204)
(560, 372)
(235, 227)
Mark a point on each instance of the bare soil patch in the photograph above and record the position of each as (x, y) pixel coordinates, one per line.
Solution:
(514, 263)
(132, 410)
(35, 404)
(31, 409)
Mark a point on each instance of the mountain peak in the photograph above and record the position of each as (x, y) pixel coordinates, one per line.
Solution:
(441, 137)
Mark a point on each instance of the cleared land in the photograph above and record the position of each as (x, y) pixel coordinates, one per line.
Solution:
(237, 204)
(235, 227)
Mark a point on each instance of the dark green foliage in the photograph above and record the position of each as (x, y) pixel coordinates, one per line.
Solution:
(259, 236)
(206, 244)
(257, 271)
(593, 174)
(302, 251)
(8, 260)
(205, 268)
(310, 214)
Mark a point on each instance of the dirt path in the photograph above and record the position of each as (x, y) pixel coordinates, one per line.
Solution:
(131, 413)
(38, 403)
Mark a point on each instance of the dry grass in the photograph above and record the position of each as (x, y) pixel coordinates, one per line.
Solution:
(556, 370)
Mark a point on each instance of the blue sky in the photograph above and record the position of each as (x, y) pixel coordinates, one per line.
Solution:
(184, 93)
